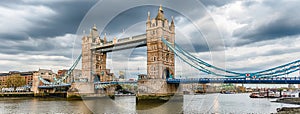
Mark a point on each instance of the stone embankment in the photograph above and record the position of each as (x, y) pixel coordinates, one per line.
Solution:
(289, 100)
(289, 110)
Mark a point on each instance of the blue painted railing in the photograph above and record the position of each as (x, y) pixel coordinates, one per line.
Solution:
(287, 80)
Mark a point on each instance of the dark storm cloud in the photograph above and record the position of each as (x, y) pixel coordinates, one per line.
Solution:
(60, 46)
(14, 36)
(134, 15)
(217, 3)
(282, 21)
(41, 38)
(139, 14)
(285, 26)
(69, 15)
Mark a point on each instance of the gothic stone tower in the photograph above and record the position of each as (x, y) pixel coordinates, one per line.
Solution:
(94, 63)
(160, 61)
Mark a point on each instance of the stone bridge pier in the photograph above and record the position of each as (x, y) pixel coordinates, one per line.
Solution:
(155, 89)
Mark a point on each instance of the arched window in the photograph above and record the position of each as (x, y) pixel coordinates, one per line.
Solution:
(167, 57)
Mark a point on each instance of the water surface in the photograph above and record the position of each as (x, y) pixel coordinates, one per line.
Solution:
(209, 103)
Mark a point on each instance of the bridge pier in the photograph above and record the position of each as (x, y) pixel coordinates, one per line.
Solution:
(160, 95)
(155, 89)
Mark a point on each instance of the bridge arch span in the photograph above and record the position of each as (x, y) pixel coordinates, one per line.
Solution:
(167, 73)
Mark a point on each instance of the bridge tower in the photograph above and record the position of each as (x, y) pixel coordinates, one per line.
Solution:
(93, 62)
(160, 59)
(89, 57)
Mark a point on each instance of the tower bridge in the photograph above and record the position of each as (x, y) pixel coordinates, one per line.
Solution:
(161, 80)
(160, 60)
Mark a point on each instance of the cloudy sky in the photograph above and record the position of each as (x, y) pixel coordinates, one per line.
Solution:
(243, 36)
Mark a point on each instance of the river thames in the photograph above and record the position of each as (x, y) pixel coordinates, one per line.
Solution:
(209, 103)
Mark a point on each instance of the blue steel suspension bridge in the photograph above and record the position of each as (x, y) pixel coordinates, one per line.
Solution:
(273, 75)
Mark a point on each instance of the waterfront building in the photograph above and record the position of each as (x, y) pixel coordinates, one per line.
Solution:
(45, 74)
(27, 76)
(3, 77)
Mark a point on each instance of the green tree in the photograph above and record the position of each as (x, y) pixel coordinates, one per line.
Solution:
(15, 80)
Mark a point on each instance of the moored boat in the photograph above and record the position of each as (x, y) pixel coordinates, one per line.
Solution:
(256, 95)
(264, 94)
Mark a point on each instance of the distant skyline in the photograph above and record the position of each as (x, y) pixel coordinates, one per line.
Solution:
(257, 34)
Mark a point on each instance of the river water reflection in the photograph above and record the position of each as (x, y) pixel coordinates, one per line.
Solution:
(209, 103)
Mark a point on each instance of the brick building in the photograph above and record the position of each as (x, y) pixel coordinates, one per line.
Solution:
(27, 76)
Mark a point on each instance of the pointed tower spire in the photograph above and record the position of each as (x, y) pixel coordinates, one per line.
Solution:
(148, 19)
(160, 14)
(105, 40)
(160, 8)
(94, 27)
(172, 23)
(115, 40)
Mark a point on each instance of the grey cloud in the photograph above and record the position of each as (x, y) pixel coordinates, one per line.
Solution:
(17, 36)
(279, 52)
(67, 21)
(217, 3)
(259, 67)
(69, 15)
(285, 23)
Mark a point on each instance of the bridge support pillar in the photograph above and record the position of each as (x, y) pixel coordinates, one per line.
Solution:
(84, 87)
(80, 89)
(160, 95)
(155, 89)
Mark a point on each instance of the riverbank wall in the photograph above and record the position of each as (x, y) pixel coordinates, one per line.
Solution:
(16, 94)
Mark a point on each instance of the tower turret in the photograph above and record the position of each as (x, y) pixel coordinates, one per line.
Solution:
(94, 33)
(104, 39)
(172, 26)
(148, 24)
(160, 14)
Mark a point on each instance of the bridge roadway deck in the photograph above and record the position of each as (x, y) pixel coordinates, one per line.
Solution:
(117, 82)
(53, 86)
(288, 80)
(123, 43)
